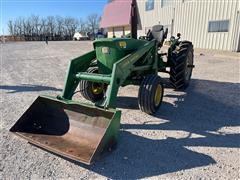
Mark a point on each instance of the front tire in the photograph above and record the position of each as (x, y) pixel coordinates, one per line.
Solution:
(90, 90)
(150, 94)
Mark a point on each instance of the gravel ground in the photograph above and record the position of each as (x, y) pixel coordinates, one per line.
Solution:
(194, 135)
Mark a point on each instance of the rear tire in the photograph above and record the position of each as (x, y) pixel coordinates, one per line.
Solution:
(181, 65)
(150, 94)
(90, 90)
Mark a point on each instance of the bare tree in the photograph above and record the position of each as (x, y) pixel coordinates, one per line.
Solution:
(42, 29)
(93, 22)
(28, 29)
(57, 28)
(82, 26)
(71, 26)
(19, 26)
(74, 23)
(10, 27)
(34, 24)
(51, 26)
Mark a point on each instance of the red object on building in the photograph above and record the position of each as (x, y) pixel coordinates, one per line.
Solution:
(116, 13)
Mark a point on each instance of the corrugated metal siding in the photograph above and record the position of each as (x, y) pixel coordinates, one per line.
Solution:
(150, 18)
(118, 31)
(191, 20)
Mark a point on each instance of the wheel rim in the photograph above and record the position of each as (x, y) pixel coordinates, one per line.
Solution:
(158, 95)
(97, 88)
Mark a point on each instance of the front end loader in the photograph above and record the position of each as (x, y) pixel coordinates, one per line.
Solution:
(81, 131)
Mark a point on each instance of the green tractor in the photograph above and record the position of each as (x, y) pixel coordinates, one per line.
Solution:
(82, 131)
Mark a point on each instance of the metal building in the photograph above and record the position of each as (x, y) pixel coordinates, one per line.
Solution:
(116, 18)
(211, 24)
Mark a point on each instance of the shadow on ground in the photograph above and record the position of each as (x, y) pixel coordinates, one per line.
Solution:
(27, 88)
(206, 107)
(127, 102)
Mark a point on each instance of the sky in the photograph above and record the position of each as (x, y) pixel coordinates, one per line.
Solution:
(11, 9)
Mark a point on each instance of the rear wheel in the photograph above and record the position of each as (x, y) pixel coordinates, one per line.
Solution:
(182, 65)
(150, 94)
(90, 90)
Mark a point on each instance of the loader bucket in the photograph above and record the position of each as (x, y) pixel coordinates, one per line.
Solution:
(67, 128)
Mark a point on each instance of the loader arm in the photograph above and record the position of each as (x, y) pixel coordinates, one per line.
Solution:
(79, 64)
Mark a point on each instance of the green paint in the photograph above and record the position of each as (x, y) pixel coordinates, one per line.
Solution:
(119, 61)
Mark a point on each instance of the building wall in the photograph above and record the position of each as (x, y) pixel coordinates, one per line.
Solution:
(191, 18)
(118, 31)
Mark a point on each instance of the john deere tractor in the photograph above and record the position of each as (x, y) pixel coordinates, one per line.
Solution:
(81, 131)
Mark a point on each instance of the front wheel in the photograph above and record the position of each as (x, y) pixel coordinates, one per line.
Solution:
(150, 94)
(90, 90)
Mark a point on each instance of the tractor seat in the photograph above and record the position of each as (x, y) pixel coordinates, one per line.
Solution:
(159, 34)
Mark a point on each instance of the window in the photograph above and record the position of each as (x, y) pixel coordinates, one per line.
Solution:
(218, 26)
(149, 5)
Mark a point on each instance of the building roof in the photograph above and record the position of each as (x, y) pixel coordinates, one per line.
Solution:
(116, 13)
